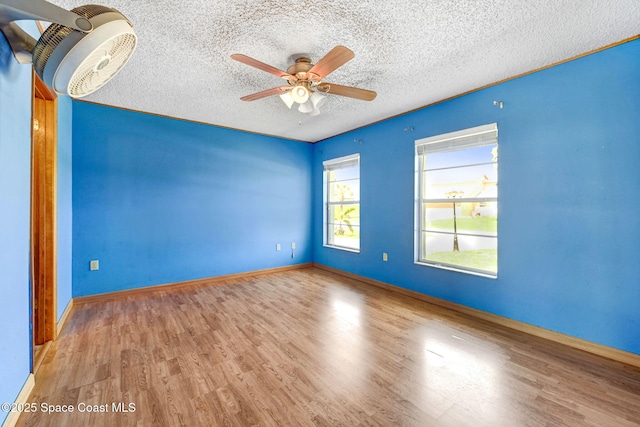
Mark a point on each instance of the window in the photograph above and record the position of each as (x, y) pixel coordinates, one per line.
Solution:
(342, 202)
(457, 200)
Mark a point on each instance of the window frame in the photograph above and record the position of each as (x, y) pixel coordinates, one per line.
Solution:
(336, 164)
(475, 137)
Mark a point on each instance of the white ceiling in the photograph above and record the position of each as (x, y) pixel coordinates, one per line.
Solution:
(412, 53)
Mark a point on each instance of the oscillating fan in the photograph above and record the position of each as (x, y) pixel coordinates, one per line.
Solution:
(79, 52)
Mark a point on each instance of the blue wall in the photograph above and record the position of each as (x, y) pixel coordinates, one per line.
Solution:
(569, 171)
(15, 188)
(159, 200)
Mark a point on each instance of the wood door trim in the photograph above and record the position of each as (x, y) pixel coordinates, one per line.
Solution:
(41, 90)
(44, 217)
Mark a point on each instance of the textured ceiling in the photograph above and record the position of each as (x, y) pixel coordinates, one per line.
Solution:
(412, 53)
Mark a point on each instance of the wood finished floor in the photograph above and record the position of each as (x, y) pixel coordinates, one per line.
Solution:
(310, 348)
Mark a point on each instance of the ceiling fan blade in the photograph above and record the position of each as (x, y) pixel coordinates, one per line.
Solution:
(269, 92)
(351, 92)
(336, 57)
(262, 66)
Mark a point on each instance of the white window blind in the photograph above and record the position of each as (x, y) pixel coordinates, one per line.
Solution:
(342, 162)
(459, 140)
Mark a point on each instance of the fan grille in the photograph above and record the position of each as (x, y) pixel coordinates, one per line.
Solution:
(55, 33)
(91, 75)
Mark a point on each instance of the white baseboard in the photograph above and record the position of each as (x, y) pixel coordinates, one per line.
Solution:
(632, 359)
(111, 296)
(23, 397)
(64, 317)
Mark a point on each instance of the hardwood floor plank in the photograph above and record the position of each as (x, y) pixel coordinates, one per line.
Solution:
(311, 348)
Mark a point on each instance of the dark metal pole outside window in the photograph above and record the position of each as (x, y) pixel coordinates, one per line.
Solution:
(453, 195)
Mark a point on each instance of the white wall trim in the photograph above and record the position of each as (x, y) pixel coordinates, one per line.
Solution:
(65, 316)
(22, 398)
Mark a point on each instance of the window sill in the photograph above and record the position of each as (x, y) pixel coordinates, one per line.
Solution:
(459, 270)
(341, 248)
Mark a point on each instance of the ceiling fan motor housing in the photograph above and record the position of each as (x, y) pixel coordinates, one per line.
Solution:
(302, 65)
(75, 63)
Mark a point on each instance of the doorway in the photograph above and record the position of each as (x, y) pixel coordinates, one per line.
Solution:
(43, 219)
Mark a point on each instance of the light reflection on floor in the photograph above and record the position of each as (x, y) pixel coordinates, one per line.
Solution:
(438, 365)
(346, 350)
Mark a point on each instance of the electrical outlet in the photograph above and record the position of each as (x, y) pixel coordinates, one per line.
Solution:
(293, 245)
(278, 246)
(385, 257)
(94, 265)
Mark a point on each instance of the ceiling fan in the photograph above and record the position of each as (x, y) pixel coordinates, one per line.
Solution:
(305, 81)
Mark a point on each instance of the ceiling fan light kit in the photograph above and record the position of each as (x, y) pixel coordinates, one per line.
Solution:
(305, 81)
(300, 94)
(307, 108)
(79, 52)
(317, 99)
(287, 99)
